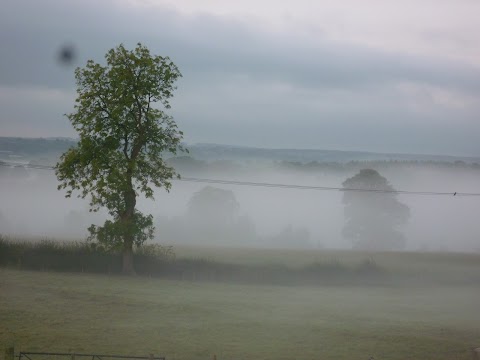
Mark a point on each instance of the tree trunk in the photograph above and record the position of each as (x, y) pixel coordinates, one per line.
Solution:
(128, 238)
(127, 265)
(128, 220)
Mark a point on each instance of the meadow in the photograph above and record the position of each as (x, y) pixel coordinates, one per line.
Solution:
(99, 313)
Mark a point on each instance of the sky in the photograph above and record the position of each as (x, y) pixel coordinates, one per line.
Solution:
(376, 75)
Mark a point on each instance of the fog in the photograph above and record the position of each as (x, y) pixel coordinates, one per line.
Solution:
(32, 206)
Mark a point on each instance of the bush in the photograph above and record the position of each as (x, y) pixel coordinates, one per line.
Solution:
(160, 261)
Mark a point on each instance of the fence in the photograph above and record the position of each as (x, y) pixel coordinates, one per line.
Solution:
(10, 355)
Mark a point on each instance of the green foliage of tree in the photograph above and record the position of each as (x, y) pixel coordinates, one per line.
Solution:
(124, 130)
(373, 219)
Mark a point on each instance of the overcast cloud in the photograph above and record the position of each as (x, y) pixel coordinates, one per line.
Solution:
(380, 76)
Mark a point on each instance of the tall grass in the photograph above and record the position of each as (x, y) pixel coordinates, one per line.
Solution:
(159, 261)
(50, 255)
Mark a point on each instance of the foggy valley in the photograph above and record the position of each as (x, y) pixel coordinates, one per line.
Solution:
(252, 258)
(254, 180)
(263, 217)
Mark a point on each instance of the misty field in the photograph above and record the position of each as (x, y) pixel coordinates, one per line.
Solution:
(42, 311)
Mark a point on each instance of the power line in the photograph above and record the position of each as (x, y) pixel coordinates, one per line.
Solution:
(278, 185)
(325, 188)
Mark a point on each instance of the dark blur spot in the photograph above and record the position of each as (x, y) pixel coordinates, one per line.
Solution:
(66, 54)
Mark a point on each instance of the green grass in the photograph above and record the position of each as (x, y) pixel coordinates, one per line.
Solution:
(42, 311)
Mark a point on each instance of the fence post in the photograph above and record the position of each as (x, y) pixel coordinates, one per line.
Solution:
(214, 356)
(10, 353)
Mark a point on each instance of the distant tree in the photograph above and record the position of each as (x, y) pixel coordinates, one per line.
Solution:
(213, 217)
(123, 133)
(212, 205)
(373, 219)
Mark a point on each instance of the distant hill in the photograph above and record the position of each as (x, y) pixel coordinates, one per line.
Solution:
(11, 148)
(229, 152)
(33, 147)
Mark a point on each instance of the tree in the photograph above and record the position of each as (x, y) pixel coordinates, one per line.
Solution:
(124, 131)
(373, 218)
(213, 216)
(212, 205)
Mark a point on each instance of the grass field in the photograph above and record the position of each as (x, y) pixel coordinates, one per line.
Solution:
(41, 311)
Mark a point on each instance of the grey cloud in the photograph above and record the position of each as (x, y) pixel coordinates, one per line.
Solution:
(206, 44)
(339, 96)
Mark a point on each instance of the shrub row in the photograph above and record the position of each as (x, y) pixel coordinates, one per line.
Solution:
(158, 261)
